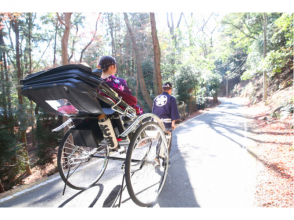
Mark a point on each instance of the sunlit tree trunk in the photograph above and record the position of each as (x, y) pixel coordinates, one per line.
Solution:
(144, 91)
(64, 41)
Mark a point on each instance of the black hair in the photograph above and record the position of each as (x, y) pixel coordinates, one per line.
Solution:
(166, 89)
(167, 86)
(105, 62)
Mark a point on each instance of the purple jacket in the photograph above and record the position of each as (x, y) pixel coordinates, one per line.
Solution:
(121, 84)
(165, 107)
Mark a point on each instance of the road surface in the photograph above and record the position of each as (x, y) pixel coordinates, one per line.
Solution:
(210, 167)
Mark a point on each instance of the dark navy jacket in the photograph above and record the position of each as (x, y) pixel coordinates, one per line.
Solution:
(165, 107)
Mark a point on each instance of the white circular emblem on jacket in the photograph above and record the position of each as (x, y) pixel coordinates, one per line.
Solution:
(161, 100)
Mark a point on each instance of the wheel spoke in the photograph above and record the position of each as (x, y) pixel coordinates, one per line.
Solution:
(85, 170)
(148, 179)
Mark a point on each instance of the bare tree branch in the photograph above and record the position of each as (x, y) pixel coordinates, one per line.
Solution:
(167, 20)
(9, 33)
(179, 20)
(73, 44)
(60, 20)
(185, 20)
(172, 20)
(225, 22)
(204, 24)
(91, 39)
(42, 55)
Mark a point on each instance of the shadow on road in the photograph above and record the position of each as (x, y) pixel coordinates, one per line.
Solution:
(101, 187)
(178, 190)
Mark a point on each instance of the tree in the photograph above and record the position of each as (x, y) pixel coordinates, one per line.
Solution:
(173, 34)
(157, 74)
(64, 41)
(264, 55)
(144, 91)
(15, 25)
(91, 39)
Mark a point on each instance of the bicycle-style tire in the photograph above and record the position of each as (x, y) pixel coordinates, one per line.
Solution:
(77, 166)
(144, 180)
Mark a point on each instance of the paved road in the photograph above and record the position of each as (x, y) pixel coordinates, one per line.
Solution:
(210, 167)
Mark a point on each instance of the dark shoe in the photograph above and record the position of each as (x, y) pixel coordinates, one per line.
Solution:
(156, 162)
(164, 163)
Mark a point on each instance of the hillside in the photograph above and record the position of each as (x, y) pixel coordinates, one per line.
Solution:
(273, 128)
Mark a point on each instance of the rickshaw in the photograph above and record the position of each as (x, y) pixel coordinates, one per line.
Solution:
(101, 127)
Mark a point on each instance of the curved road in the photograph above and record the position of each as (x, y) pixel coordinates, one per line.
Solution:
(210, 167)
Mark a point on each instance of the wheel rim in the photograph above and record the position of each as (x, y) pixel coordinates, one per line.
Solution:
(146, 179)
(78, 166)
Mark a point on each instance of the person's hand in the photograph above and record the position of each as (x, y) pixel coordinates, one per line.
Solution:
(174, 126)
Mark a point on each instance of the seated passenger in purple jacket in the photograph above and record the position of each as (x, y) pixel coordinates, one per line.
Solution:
(109, 67)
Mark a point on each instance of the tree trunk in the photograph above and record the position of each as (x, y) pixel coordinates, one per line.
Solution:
(54, 53)
(64, 41)
(128, 72)
(157, 73)
(8, 86)
(196, 100)
(184, 111)
(30, 72)
(264, 55)
(174, 39)
(1, 187)
(3, 89)
(20, 98)
(144, 91)
(110, 23)
(227, 86)
(215, 98)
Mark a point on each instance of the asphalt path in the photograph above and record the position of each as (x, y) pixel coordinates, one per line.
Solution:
(210, 167)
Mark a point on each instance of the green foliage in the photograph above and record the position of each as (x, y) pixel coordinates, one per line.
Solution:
(245, 31)
(187, 82)
(276, 60)
(47, 140)
(286, 27)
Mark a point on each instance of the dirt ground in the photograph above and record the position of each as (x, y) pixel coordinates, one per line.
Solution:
(275, 186)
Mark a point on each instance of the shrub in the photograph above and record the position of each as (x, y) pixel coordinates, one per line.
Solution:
(47, 140)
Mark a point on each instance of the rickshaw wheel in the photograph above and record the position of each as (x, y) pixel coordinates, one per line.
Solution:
(145, 177)
(77, 165)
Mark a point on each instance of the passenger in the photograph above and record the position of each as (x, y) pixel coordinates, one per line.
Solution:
(109, 67)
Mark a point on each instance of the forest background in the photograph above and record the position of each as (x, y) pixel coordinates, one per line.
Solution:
(195, 51)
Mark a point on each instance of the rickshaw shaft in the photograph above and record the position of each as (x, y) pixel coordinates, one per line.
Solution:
(115, 158)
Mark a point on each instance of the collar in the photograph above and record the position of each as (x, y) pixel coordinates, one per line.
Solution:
(164, 93)
(110, 77)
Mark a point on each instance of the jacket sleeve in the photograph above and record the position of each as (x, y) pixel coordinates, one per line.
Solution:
(174, 109)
